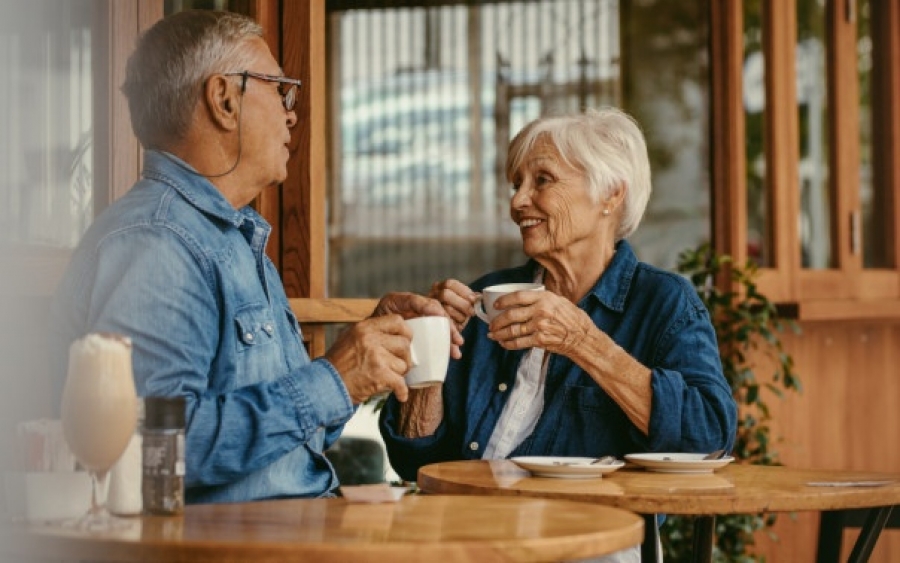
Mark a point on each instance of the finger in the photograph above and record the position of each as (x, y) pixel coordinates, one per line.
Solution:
(456, 342)
(408, 305)
(453, 285)
(427, 307)
(391, 334)
(457, 299)
(398, 387)
(458, 307)
(508, 318)
(391, 375)
(507, 332)
(523, 330)
(399, 347)
(515, 337)
(390, 324)
(519, 299)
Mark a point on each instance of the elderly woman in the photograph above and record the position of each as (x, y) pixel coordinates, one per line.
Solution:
(615, 357)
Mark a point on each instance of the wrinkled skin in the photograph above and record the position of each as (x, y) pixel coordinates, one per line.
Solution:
(533, 319)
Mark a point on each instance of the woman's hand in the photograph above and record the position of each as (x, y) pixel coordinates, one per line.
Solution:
(457, 299)
(540, 319)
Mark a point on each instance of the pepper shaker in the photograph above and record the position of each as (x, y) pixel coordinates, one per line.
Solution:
(163, 455)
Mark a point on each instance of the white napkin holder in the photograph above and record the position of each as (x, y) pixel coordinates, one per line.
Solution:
(47, 495)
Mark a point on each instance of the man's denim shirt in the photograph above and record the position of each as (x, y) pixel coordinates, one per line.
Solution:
(654, 315)
(174, 266)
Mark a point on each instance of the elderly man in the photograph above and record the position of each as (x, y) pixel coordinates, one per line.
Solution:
(179, 265)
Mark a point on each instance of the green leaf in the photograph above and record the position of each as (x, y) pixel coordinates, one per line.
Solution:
(747, 327)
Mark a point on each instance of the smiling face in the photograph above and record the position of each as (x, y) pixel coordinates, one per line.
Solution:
(558, 219)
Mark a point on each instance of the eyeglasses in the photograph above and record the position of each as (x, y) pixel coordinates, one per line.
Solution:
(287, 87)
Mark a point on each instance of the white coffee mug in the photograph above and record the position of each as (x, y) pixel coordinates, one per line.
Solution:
(429, 351)
(484, 307)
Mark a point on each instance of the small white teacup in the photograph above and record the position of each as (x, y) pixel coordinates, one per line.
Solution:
(430, 351)
(484, 307)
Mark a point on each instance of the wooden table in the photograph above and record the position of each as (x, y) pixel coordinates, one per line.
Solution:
(735, 489)
(417, 528)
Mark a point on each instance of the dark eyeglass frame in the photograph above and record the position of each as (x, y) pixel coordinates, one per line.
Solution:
(288, 97)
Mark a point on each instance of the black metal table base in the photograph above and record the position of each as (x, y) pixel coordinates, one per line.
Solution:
(831, 531)
(651, 539)
(829, 539)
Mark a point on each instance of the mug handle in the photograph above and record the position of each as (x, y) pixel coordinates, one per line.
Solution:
(479, 310)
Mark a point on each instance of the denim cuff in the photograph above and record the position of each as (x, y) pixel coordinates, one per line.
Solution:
(320, 395)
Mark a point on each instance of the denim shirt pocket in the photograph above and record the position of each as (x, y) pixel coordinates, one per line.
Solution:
(255, 328)
(296, 354)
(590, 398)
(592, 423)
(293, 323)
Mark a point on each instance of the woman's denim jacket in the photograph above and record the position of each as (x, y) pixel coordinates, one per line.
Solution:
(183, 273)
(652, 314)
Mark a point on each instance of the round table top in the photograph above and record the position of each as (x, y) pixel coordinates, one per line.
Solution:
(734, 489)
(418, 527)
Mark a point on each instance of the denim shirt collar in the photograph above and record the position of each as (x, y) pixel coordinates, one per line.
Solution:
(199, 191)
(613, 286)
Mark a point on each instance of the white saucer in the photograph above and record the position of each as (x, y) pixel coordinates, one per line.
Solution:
(678, 462)
(565, 467)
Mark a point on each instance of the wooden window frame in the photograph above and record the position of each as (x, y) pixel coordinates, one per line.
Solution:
(847, 291)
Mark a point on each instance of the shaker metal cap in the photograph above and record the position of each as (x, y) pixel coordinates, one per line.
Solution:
(164, 412)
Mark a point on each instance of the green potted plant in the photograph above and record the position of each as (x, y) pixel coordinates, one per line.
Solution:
(747, 325)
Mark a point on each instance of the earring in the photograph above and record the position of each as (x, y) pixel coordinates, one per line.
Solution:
(606, 211)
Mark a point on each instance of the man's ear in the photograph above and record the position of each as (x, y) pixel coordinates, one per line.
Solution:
(222, 98)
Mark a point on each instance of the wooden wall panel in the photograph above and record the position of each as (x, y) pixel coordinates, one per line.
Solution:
(846, 418)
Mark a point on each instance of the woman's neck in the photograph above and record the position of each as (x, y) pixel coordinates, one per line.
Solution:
(573, 279)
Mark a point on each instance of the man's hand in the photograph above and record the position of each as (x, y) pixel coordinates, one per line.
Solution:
(411, 305)
(372, 356)
(408, 305)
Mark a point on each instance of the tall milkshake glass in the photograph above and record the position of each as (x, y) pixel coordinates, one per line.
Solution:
(99, 415)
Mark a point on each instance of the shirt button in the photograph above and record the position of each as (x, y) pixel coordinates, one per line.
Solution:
(248, 337)
(473, 446)
(502, 387)
(268, 328)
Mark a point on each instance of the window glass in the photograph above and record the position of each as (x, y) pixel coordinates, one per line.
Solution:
(872, 193)
(425, 101)
(812, 110)
(759, 243)
(47, 51)
(665, 85)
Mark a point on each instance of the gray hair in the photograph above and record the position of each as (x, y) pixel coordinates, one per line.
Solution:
(606, 144)
(166, 73)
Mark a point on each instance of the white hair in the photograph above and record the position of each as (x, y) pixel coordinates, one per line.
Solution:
(606, 144)
(165, 74)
